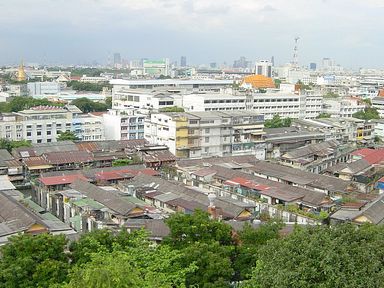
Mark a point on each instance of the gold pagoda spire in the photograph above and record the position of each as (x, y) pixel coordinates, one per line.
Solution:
(21, 75)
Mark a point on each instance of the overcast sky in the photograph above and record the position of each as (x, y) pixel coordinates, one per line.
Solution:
(79, 31)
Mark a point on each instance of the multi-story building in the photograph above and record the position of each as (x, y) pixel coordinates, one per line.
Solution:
(17, 90)
(156, 67)
(263, 67)
(205, 134)
(343, 108)
(43, 88)
(123, 124)
(89, 126)
(43, 124)
(191, 85)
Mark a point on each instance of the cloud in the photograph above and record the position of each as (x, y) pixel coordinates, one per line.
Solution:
(206, 30)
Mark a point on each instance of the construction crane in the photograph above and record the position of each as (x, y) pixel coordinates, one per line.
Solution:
(295, 60)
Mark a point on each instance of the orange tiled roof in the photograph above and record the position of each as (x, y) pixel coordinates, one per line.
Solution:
(259, 81)
(381, 93)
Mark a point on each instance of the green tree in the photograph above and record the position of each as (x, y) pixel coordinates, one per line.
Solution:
(67, 135)
(187, 229)
(33, 261)
(369, 113)
(340, 256)
(250, 241)
(9, 145)
(277, 122)
(19, 103)
(108, 102)
(323, 115)
(172, 109)
(86, 105)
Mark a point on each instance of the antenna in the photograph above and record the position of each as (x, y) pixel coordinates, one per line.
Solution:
(295, 61)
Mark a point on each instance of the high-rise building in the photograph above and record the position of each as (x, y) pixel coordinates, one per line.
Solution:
(183, 61)
(263, 67)
(312, 66)
(116, 59)
(241, 63)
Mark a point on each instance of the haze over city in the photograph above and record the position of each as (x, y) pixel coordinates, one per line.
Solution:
(76, 32)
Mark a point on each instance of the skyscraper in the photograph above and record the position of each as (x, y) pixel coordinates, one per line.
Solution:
(116, 59)
(183, 61)
(263, 67)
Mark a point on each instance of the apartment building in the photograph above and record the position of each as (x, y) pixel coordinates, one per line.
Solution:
(343, 108)
(89, 126)
(191, 85)
(43, 124)
(43, 88)
(123, 124)
(206, 134)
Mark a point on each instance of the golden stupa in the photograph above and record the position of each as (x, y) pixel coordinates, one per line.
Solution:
(21, 75)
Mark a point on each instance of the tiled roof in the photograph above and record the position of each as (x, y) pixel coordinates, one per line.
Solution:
(259, 81)
(247, 183)
(60, 180)
(68, 157)
(363, 152)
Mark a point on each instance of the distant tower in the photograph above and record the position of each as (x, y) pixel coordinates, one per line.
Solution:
(273, 60)
(21, 76)
(183, 61)
(116, 59)
(295, 60)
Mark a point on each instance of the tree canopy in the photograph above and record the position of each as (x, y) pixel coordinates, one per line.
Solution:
(9, 145)
(67, 135)
(369, 113)
(86, 105)
(200, 252)
(277, 122)
(337, 257)
(19, 103)
(85, 86)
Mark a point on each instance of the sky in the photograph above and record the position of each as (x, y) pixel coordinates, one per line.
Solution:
(57, 32)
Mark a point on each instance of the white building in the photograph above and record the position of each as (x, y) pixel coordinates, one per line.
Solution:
(207, 134)
(94, 79)
(156, 67)
(43, 124)
(343, 108)
(88, 127)
(263, 67)
(43, 88)
(123, 124)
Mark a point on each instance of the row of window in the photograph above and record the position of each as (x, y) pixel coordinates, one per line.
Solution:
(277, 100)
(224, 101)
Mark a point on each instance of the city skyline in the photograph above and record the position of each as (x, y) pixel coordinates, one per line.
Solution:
(75, 32)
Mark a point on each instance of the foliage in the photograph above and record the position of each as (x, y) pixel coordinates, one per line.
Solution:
(85, 86)
(108, 102)
(67, 135)
(104, 259)
(251, 239)
(323, 115)
(33, 261)
(121, 162)
(172, 109)
(277, 83)
(330, 94)
(277, 122)
(341, 256)
(86, 105)
(187, 229)
(368, 114)
(21, 103)
(377, 139)
(9, 145)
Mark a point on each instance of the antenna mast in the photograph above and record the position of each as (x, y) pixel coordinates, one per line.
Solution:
(295, 61)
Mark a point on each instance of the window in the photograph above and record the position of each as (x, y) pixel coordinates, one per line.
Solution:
(38, 133)
(39, 141)
(206, 130)
(49, 132)
(206, 139)
(29, 134)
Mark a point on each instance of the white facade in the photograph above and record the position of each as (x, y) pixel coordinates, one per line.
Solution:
(43, 88)
(263, 67)
(88, 127)
(378, 103)
(343, 108)
(43, 124)
(123, 124)
(94, 79)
